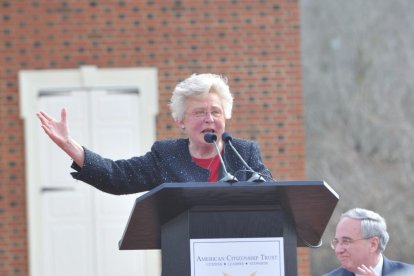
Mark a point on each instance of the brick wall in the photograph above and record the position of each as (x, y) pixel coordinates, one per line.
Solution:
(255, 43)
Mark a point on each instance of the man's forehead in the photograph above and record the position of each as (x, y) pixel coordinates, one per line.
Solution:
(348, 227)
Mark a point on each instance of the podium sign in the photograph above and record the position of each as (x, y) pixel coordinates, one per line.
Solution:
(246, 256)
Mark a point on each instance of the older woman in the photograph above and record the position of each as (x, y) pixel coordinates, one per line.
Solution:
(200, 104)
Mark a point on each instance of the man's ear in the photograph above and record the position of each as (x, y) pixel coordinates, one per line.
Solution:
(375, 244)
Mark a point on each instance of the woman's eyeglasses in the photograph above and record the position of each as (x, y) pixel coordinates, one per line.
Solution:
(203, 113)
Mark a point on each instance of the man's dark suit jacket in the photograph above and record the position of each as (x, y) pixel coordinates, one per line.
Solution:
(168, 161)
(389, 268)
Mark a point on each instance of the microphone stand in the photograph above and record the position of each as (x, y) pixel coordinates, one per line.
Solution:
(211, 138)
(256, 177)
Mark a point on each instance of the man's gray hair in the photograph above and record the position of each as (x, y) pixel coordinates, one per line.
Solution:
(372, 225)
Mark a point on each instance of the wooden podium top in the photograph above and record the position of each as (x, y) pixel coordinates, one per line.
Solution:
(310, 203)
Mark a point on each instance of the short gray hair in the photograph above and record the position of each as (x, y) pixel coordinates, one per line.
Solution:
(372, 225)
(198, 86)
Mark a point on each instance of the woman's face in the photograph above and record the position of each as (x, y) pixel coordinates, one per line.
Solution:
(203, 115)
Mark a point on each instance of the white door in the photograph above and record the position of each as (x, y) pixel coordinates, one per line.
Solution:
(80, 226)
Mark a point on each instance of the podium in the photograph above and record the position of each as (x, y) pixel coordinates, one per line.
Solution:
(170, 215)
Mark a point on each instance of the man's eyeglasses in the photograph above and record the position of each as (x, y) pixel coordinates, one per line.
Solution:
(345, 242)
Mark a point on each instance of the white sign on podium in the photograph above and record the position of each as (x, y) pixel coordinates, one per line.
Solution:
(237, 257)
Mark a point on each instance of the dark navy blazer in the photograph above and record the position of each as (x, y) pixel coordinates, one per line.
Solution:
(168, 161)
(389, 268)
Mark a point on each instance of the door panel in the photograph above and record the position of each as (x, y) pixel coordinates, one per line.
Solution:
(114, 123)
(69, 238)
(82, 225)
(66, 214)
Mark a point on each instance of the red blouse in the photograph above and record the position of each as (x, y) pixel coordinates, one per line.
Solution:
(211, 164)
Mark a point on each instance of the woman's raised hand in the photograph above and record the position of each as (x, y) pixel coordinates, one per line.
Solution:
(56, 130)
(59, 133)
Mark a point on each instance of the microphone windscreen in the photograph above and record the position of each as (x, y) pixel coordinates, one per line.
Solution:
(210, 137)
(226, 137)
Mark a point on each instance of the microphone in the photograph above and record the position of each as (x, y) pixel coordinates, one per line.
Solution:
(212, 138)
(255, 176)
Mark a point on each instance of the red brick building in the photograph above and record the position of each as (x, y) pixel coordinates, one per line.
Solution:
(256, 44)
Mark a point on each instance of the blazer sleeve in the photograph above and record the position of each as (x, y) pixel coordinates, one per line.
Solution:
(123, 176)
(167, 161)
